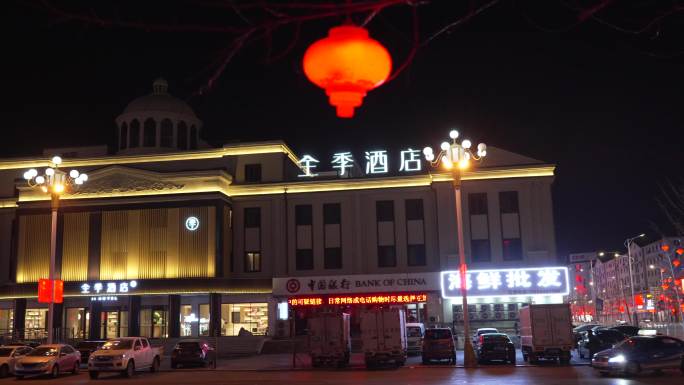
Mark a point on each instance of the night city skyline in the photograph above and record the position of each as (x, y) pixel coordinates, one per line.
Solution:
(601, 104)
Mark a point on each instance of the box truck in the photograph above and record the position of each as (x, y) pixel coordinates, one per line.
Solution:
(329, 339)
(383, 336)
(546, 332)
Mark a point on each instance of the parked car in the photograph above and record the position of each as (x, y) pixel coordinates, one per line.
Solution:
(481, 331)
(192, 352)
(48, 359)
(640, 353)
(495, 346)
(438, 344)
(124, 355)
(628, 330)
(579, 331)
(86, 348)
(596, 341)
(9, 356)
(414, 337)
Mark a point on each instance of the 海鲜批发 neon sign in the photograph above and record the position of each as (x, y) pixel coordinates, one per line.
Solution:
(531, 281)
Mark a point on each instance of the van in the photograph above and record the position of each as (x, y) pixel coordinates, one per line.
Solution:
(414, 336)
(438, 344)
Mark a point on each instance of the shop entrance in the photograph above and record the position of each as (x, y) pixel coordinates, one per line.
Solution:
(154, 322)
(35, 324)
(76, 322)
(114, 323)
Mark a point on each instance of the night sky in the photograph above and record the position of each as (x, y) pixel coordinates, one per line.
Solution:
(527, 76)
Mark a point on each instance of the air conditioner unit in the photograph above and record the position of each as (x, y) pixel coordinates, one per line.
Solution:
(499, 315)
(485, 315)
(512, 315)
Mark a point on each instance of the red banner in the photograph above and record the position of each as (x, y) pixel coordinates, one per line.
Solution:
(46, 288)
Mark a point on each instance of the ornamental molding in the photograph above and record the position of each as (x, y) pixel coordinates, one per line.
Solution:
(124, 183)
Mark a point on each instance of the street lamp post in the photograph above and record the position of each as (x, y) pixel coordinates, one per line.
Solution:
(628, 245)
(54, 182)
(456, 157)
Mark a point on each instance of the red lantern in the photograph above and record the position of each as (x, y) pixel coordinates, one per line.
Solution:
(665, 248)
(347, 64)
(679, 251)
(639, 300)
(44, 290)
(59, 291)
(622, 308)
(676, 263)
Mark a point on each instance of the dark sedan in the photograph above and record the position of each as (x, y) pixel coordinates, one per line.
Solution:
(495, 347)
(87, 348)
(641, 353)
(597, 340)
(628, 330)
(192, 352)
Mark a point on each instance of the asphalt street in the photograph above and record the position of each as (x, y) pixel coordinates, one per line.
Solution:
(410, 375)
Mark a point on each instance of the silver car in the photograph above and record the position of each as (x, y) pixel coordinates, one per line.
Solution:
(48, 359)
(9, 356)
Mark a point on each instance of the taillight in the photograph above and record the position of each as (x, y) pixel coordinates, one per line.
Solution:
(481, 339)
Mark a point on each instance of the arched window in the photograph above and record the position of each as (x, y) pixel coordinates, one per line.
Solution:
(193, 138)
(123, 136)
(182, 136)
(135, 134)
(166, 133)
(150, 133)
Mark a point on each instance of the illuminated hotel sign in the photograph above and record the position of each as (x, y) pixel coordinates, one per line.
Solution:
(359, 299)
(507, 282)
(108, 289)
(376, 162)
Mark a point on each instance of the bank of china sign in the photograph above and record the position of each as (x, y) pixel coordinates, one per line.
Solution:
(357, 283)
(507, 282)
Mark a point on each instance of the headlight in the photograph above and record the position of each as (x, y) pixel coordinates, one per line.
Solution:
(617, 359)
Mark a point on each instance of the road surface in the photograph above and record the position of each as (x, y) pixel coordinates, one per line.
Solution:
(411, 375)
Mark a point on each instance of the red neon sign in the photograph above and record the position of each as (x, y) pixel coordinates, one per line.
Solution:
(358, 299)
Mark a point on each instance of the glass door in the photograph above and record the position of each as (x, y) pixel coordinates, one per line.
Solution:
(110, 324)
(75, 323)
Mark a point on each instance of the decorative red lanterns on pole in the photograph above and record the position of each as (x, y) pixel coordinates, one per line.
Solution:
(347, 64)
(50, 291)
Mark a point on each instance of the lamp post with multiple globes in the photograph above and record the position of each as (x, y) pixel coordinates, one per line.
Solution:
(456, 157)
(55, 182)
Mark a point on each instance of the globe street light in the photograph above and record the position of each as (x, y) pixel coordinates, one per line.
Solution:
(456, 157)
(55, 182)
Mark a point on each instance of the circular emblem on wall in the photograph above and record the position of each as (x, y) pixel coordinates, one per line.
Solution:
(192, 223)
(292, 285)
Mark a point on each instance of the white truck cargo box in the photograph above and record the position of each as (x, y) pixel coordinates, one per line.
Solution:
(546, 332)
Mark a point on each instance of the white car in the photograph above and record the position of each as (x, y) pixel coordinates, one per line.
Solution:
(124, 355)
(48, 359)
(9, 356)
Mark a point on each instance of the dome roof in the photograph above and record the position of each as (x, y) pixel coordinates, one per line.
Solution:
(159, 101)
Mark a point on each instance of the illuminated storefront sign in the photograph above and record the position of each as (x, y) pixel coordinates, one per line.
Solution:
(376, 162)
(359, 299)
(104, 298)
(108, 288)
(356, 283)
(507, 282)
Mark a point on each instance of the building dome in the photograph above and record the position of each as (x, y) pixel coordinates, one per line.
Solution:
(158, 122)
(159, 101)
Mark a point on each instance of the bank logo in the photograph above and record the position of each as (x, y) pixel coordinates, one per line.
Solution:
(293, 285)
(192, 223)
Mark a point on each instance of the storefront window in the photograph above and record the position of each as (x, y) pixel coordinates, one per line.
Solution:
(204, 319)
(153, 323)
(6, 321)
(123, 324)
(250, 317)
(187, 317)
(75, 324)
(35, 324)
